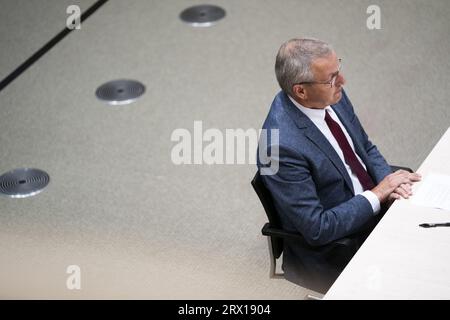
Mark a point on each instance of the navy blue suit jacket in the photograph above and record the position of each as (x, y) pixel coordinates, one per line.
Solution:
(312, 190)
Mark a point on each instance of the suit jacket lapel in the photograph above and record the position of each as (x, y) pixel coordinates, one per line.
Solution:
(323, 144)
(314, 134)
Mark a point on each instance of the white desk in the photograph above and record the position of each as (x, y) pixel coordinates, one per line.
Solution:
(401, 260)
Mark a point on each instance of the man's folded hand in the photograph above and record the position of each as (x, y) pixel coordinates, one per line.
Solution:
(395, 186)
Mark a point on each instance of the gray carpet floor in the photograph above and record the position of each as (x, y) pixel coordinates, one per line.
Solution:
(138, 225)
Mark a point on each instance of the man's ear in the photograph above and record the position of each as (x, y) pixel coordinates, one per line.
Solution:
(299, 91)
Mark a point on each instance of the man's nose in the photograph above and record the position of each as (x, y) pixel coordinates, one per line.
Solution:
(340, 79)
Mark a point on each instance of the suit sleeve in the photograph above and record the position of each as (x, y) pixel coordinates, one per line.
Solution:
(295, 197)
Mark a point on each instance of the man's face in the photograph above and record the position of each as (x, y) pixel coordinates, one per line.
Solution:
(319, 95)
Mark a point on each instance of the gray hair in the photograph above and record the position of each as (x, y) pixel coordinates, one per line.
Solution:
(293, 62)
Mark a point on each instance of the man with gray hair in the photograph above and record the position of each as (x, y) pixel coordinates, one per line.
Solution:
(332, 182)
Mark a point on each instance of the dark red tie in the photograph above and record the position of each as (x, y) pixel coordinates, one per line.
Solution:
(349, 156)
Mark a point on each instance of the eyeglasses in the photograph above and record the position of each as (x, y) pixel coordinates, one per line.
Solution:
(330, 82)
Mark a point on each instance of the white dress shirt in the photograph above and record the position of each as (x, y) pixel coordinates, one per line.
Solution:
(317, 116)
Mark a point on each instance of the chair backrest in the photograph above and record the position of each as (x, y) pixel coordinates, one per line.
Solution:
(266, 199)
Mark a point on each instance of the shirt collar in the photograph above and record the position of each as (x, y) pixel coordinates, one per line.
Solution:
(313, 114)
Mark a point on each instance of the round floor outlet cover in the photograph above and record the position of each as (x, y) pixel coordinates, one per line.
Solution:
(202, 15)
(23, 182)
(120, 92)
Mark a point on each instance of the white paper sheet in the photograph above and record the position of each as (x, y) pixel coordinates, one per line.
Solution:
(434, 192)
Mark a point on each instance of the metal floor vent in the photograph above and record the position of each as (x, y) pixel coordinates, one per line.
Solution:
(23, 182)
(120, 92)
(202, 15)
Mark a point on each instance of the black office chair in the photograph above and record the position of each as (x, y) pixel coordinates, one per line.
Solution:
(275, 234)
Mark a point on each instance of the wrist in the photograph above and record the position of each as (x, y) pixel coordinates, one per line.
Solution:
(379, 194)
